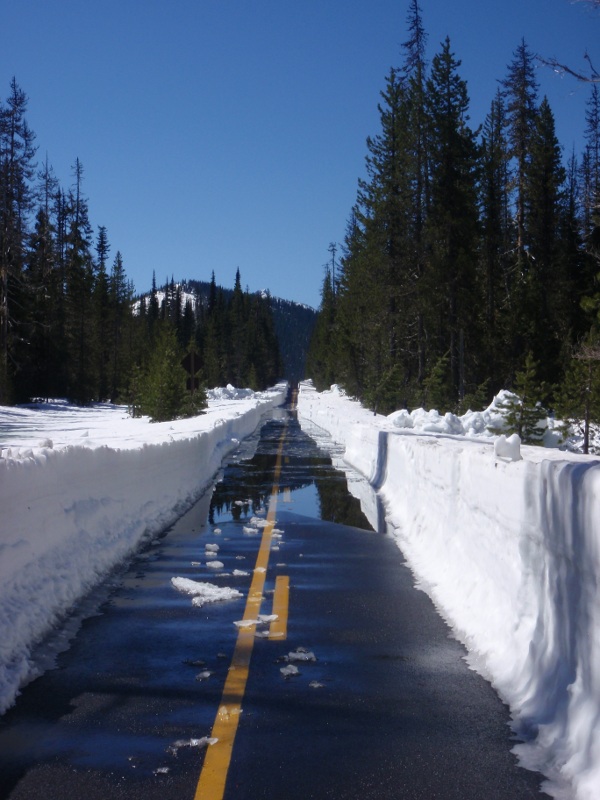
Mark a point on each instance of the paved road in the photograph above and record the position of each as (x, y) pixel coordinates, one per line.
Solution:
(388, 708)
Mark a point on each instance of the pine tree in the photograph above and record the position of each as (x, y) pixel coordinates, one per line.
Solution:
(452, 225)
(16, 202)
(120, 323)
(496, 227)
(38, 376)
(520, 92)
(102, 331)
(163, 387)
(523, 412)
(80, 286)
(320, 364)
(415, 68)
(591, 171)
(378, 281)
(237, 345)
(578, 401)
(542, 279)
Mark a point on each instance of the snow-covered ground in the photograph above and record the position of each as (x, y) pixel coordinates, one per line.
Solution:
(508, 547)
(82, 488)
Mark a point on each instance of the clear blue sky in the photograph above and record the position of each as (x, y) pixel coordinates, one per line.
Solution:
(217, 134)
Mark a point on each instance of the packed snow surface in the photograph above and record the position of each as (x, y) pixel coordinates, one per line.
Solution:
(505, 538)
(82, 488)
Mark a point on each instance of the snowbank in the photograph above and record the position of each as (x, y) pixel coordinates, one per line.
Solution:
(81, 488)
(509, 550)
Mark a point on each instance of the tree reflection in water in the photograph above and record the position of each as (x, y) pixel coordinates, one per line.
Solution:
(247, 483)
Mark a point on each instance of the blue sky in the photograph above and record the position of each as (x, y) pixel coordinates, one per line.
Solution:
(217, 134)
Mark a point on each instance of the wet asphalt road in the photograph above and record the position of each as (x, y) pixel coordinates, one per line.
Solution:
(389, 708)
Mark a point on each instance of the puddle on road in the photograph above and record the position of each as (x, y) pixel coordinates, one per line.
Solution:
(309, 484)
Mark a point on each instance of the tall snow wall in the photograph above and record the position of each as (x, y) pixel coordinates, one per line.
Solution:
(70, 516)
(509, 551)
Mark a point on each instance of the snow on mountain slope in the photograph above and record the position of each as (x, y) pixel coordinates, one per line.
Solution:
(81, 488)
(509, 550)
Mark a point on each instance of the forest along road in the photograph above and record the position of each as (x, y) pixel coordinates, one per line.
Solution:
(355, 690)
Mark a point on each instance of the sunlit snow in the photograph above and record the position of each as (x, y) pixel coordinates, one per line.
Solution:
(506, 540)
(81, 489)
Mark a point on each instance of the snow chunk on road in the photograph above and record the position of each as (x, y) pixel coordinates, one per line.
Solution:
(301, 654)
(204, 592)
(204, 741)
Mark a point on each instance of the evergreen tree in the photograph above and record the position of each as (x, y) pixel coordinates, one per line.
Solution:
(523, 411)
(163, 387)
(102, 330)
(495, 276)
(80, 285)
(543, 281)
(415, 68)
(591, 161)
(377, 281)
(520, 92)
(452, 225)
(320, 365)
(120, 323)
(236, 328)
(16, 202)
(578, 401)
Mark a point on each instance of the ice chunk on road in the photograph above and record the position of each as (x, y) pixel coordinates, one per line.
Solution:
(289, 671)
(257, 522)
(211, 548)
(301, 654)
(215, 564)
(204, 592)
(204, 741)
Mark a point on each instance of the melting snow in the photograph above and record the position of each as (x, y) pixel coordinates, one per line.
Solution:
(204, 592)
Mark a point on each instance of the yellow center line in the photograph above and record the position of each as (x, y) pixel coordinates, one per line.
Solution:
(211, 784)
(278, 628)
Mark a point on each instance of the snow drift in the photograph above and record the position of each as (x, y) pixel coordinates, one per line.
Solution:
(507, 544)
(81, 488)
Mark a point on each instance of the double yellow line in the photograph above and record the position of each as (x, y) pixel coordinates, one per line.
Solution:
(211, 785)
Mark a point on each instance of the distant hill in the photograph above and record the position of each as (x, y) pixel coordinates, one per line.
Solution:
(294, 325)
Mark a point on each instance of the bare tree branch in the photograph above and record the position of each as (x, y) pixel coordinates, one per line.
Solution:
(562, 69)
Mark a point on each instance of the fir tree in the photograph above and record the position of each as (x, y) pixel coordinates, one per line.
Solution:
(495, 277)
(16, 202)
(578, 401)
(523, 411)
(542, 278)
(320, 364)
(163, 387)
(452, 225)
(520, 92)
(80, 284)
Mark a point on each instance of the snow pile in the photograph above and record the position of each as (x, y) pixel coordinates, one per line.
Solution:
(485, 423)
(509, 550)
(228, 392)
(80, 488)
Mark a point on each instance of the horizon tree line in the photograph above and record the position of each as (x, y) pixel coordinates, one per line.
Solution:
(70, 326)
